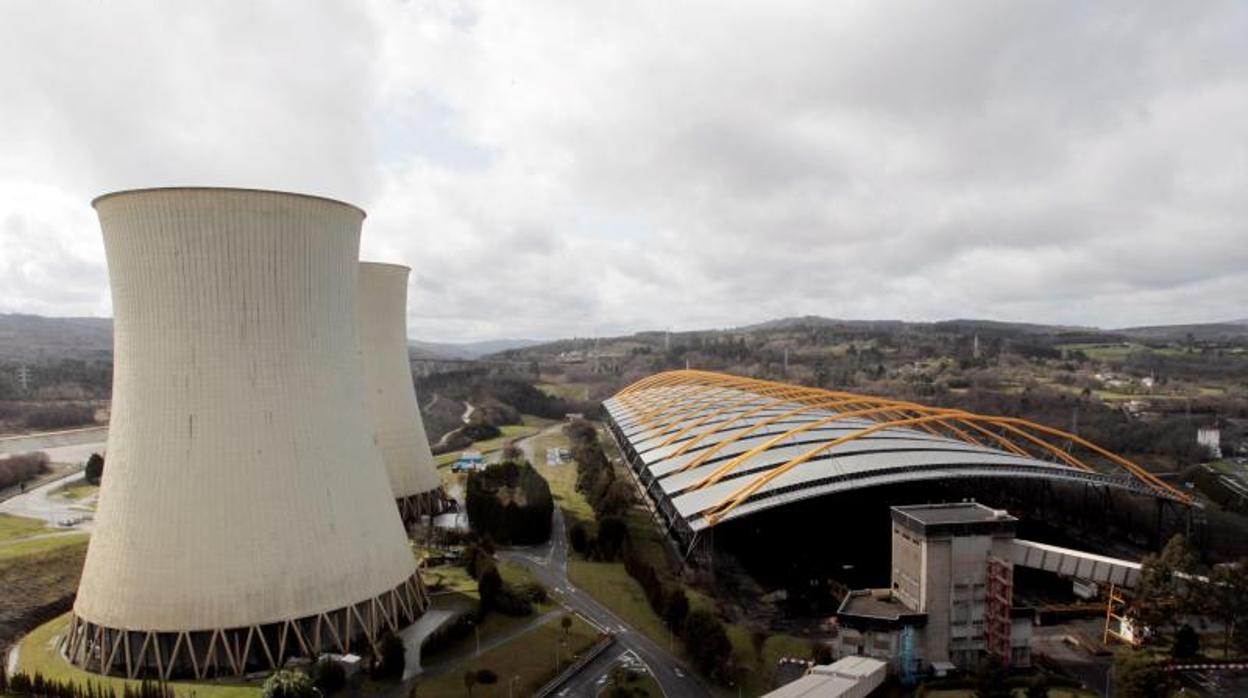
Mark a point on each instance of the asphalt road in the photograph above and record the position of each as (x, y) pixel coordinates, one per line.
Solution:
(38, 503)
(549, 564)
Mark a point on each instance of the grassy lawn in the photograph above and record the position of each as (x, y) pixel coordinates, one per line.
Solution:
(22, 548)
(530, 656)
(567, 391)
(39, 654)
(562, 479)
(78, 489)
(17, 527)
(510, 432)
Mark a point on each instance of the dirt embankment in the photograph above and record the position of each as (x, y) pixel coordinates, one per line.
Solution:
(36, 588)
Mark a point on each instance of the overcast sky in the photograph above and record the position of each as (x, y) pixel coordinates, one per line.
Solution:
(565, 168)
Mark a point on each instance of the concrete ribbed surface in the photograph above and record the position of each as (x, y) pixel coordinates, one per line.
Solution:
(391, 395)
(243, 483)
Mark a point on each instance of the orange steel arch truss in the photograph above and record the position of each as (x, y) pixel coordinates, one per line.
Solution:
(690, 394)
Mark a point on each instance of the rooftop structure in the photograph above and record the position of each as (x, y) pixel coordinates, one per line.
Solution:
(848, 677)
(711, 447)
(391, 393)
(246, 516)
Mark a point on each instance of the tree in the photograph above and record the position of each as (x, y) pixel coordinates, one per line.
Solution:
(1160, 599)
(392, 657)
(612, 532)
(989, 679)
(489, 586)
(566, 623)
(579, 538)
(1186, 643)
(329, 676)
(288, 684)
(1136, 675)
(95, 468)
(707, 642)
(512, 453)
(675, 609)
(1038, 686)
(1228, 599)
(470, 680)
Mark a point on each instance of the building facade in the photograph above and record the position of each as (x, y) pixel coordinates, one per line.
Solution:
(949, 603)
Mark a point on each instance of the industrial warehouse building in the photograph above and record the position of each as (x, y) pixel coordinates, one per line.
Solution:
(391, 394)
(247, 515)
(712, 449)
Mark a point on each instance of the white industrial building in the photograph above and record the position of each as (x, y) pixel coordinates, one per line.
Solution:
(246, 516)
(392, 403)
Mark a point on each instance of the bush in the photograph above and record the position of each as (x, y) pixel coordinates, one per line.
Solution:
(95, 469)
(486, 677)
(579, 538)
(393, 657)
(56, 416)
(534, 592)
(496, 595)
(288, 684)
(676, 609)
(612, 534)
(1186, 643)
(511, 503)
(708, 643)
(22, 467)
(329, 675)
(451, 632)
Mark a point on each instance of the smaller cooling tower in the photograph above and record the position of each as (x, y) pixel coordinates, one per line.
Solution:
(391, 397)
(245, 517)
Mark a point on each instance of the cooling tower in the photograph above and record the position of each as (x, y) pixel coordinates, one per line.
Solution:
(382, 318)
(245, 516)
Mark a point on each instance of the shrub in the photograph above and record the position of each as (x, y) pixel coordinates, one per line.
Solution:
(707, 642)
(329, 675)
(579, 538)
(392, 659)
(55, 416)
(1186, 643)
(612, 534)
(534, 592)
(288, 684)
(675, 609)
(22, 467)
(510, 502)
(486, 677)
(95, 469)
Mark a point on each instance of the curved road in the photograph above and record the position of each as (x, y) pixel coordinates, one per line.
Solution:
(549, 564)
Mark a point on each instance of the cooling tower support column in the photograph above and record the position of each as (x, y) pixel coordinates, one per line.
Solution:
(246, 515)
(391, 394)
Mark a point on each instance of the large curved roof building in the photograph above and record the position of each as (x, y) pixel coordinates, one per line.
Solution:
(392, 402)
(711, 447)
(246, 515)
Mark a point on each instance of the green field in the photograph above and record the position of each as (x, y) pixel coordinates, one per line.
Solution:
(531, 657)
(21, 548)
(567, 391)
(17, 527)
(510, 432)
(39, 653)
(78, 489)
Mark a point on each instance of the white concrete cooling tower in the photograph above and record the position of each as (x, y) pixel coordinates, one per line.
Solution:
(392, 401)
(245, 516)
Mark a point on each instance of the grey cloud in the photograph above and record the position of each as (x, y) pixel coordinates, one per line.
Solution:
(560, 169)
